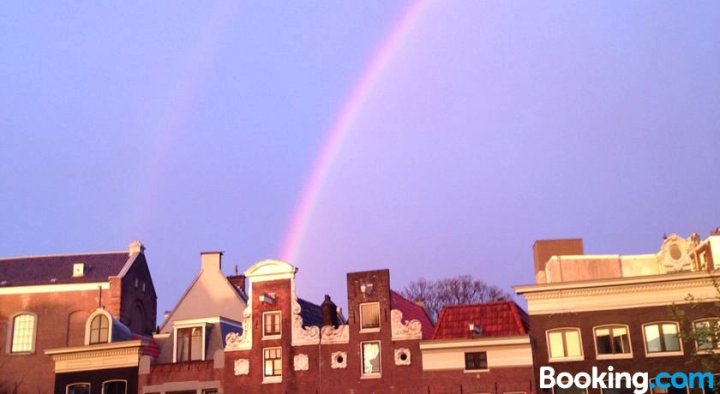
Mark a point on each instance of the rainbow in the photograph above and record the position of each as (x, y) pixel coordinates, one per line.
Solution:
(291, 246)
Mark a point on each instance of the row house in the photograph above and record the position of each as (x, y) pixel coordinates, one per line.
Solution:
(75, 323)
(636, 313)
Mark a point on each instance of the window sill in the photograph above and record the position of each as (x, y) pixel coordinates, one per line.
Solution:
(566, 359)
(664, 354)
(369, 330)
(272, 379)
(270, 337)
(29, 353)
(476, 370)
(620, 356)
(371, 376)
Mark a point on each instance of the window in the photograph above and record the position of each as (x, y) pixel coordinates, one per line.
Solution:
(23, 333)
(114, 387)
(189, 344)
(564, 344)
(612, 341)
(77, 388)
(476, 361)
(272, 361)
(661, 338)
(657, 390)
(370, 316)
(99, 329)
(272, 324)
(707, 334)
(371, 358)
(570, 390)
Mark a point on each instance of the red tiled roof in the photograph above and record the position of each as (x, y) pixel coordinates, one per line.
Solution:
(497, 319)
(45, 270)
(412, 311)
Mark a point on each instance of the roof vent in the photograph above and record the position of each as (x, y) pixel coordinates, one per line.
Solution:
(475, 329)
(78, 270)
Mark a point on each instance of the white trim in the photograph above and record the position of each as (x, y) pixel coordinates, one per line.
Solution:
(273, 336)
(478, 342)
(569, 358)
(67, 386)
(176, 326)
(40, 256)
(102, 385)
(662, 353)
(374, 375)
(11, 333)
(204, 320)
(128, 264)
(88, 321)
(527, 289)
(54, 288)
(613, 356)
(371, 329)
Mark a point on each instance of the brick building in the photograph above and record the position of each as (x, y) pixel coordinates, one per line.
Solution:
(482, 348)
(603, 310)
(69, 301)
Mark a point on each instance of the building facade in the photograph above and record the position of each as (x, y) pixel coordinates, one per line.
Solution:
(636, 313)
(50, 302)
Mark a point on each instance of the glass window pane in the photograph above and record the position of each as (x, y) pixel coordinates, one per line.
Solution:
(371, 357)
(78, 388)
(22, 337)
(369, 315)
(557, 348)
(602, 340)
(670, 335)
(652, 338)
(115, 387)
(572, 339)
(621, 340)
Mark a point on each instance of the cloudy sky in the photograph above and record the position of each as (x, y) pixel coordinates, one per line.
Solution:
(433, 139)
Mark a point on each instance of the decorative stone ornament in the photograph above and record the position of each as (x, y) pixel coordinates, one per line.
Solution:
(309, 335)
(242, 366)
(412, 329)
(402, 356)
(338, 360)
(237, 341)
(331, 334)
(300, 362)
(675, 254)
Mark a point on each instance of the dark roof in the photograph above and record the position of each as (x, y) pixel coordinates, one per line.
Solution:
(412, 311)
(497, 319)
(43, 270)
(310, 313)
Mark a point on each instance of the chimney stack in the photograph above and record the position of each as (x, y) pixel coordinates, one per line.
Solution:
(543, 250)
(211, 260)
(135, 247)
(329, 312)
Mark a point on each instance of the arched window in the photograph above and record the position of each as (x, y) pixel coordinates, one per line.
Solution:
(77, 388)
(99, 329)
(23, 333)
(114, 387)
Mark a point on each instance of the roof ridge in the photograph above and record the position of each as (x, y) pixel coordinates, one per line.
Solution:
(497, 302)
(61, 255)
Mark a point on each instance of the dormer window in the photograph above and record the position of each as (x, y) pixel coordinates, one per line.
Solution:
(189, 344)
(98, 328)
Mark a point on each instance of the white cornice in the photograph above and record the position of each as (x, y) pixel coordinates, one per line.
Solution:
(53, 288)
(684, 276)
(94, 357)
(469, 343)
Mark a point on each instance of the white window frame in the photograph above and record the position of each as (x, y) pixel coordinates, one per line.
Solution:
(487, 362)
(89, 320)
(272, 379)
(662, 353)
(716, 348)
(612, 356)
(360, 311)
(271, 336)
(102, 388)
(67, 386)
(11, 334)
(569, 358)
(178, 326)
(373, 375)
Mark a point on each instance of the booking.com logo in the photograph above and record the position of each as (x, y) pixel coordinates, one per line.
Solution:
(610, 379)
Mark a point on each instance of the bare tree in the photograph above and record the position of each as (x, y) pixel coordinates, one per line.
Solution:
(462, 289)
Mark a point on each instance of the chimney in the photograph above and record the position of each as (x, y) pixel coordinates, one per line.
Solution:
(544, 249)
(135, 247)
(211, 260)
(238, 281)
(329, 312)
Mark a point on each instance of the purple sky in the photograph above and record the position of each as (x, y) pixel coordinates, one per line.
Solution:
(492, 124)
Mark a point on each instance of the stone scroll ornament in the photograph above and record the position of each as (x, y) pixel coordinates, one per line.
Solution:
(309, 335)
(235, 340)
(339, 334)
(300, 362)
(412, 329)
